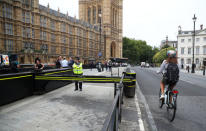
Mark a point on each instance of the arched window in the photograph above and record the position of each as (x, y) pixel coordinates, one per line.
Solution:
(113, 47)
(89, 15)
(188, 61)
(94, 15)
(197, 61)
(182, 61)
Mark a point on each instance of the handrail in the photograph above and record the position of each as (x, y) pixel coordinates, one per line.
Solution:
(114, 116)
(108, 120)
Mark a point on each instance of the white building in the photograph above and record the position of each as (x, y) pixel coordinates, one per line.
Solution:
(185, 47)
(170, 43)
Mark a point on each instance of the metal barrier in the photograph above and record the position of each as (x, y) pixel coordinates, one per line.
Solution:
(20, 85)
(15, 86)
(115, 115)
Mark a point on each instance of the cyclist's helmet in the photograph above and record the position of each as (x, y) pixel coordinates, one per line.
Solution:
(171, 54)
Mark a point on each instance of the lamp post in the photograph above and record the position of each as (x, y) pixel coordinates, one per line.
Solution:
(166, 43)
(100, 33)
(193, 45)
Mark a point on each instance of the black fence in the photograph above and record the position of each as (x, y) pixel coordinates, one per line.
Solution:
(114, 117)
(126, 88)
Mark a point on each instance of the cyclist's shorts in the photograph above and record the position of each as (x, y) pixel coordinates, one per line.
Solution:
(164, 81)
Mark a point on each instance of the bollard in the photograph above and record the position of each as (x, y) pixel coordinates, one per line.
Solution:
(118, 71)
(111, 72)
(115, 88)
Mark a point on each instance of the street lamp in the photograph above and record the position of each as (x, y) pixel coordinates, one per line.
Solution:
(166, 44)
(100, 31)
(193, 45)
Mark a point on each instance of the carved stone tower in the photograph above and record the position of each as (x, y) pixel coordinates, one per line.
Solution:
(111, 21)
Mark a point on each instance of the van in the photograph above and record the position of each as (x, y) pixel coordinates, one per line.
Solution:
(142, 64)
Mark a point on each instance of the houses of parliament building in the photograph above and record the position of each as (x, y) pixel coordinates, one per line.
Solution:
(31, 30)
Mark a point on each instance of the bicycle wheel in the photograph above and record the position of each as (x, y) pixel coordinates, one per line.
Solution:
(171, 109)
(161, 102)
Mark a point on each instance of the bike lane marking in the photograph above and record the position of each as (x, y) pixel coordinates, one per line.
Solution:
(141, 124)
(149, 114)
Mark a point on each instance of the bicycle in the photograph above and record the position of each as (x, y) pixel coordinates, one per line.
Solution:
(170, 100)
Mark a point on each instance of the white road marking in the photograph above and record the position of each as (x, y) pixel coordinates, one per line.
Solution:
(186, 81)
(141, 124)
(150, 117)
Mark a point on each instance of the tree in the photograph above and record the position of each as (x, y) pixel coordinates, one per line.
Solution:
(161, 55)
(138, 51)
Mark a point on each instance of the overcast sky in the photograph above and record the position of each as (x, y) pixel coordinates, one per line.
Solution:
(149, 20)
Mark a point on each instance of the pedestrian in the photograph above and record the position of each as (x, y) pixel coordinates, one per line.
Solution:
(78, 71)
(71, 62)
(15, 65)
(91, 65)
(102, 65)
(98, 65)
(58, 62)
(182, 66)
(64, 63)
(105, 64)
(38, 65)
(188, 68)
(110, 65)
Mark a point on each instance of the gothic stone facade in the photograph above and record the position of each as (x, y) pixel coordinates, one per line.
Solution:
(111, 21)
(31, 30)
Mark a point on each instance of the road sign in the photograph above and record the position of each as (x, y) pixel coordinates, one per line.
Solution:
(100, 54)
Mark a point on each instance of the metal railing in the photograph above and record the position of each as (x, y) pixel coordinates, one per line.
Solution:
(114, 117)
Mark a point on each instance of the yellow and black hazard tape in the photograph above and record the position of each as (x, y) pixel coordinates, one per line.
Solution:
(131, 73)
(85, 79)
(15, 77)
(57, 72)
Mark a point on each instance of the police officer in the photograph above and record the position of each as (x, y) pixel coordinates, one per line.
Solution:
(77, 70)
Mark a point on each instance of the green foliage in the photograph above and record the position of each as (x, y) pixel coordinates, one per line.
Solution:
(138, 51)
(161, 55)
(165, 46)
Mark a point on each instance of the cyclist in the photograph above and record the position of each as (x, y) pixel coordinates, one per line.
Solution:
(171, 58)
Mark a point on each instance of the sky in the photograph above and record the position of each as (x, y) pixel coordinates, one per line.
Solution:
(149, 20)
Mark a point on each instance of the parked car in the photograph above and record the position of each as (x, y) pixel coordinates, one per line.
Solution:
(147, 65)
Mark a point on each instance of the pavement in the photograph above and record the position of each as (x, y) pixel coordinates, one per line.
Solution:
(67, 110)
(191, 101)
(197, 72)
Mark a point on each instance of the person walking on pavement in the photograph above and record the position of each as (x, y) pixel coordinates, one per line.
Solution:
(105, 64)
(110, 65)
(58, 62)
(71, 62)
(102, 65)
(64, 63)
(77, 70)
(38, 65)
(188, 68)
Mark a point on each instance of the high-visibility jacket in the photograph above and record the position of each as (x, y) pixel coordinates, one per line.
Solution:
(77, 69)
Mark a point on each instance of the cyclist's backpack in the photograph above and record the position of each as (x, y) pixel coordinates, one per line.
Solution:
(172, 74)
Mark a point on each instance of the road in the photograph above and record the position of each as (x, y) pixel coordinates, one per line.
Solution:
(191, 111)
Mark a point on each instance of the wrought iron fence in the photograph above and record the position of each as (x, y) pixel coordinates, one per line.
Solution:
(114, 117)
